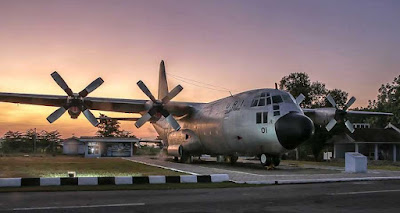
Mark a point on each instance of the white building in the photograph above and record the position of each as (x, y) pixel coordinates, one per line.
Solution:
(99, 146)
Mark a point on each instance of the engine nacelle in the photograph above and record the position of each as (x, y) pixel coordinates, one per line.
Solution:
(74, 112)
(322, 116)
(184, 141)
(175, 150)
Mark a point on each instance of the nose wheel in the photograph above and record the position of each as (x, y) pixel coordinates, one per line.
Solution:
(186, 158)
(269, 161)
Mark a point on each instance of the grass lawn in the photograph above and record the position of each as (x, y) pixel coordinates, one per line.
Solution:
(58, 166)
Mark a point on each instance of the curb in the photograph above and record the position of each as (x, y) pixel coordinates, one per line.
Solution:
(326, 180)
(92, 181)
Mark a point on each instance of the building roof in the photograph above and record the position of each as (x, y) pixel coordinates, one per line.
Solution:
(375, 135)
(110, 140)
(105, 139)
(393, 126)
(368, 135)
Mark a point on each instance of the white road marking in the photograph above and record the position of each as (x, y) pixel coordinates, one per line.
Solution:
(365, 192)
(162, 167)
(78, 207)
(227, 170)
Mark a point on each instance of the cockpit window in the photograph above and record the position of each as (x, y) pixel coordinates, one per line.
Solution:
(277, 99)
(286, 98)
(268, 100)
(254, 103)
(262, 99)
(262, 102)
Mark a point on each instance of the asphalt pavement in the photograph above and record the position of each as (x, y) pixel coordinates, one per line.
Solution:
(368, 196)
(247, 170)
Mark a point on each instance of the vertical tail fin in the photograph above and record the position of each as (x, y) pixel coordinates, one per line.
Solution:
(162, 82)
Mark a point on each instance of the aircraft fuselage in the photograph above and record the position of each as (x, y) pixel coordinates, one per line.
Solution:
(243, 124)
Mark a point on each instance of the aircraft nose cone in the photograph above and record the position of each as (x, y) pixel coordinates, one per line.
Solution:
(293, 129)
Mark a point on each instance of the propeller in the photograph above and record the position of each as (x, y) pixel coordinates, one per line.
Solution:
(74, 100)
(340, 114)
(158, 106)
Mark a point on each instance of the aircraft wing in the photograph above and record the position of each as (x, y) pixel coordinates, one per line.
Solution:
(44, 100)
(369, 113)
(116, 105)
(103, 104)
(350, 112)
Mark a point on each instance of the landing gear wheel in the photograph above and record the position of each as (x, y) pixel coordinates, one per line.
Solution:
(276, 161)
(176, 159)
(265, 160)
(233, 159)
(185, 158)
(220, 158)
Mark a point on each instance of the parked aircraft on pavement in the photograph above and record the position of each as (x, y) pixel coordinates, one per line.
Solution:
(262, 122)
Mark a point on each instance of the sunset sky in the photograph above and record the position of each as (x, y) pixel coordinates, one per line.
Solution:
(241, 45)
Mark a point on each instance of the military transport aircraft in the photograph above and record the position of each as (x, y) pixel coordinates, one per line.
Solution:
(263, 122)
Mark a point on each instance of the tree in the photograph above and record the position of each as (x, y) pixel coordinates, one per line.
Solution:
(317, 95)
(111, 128)
(12, 141)
(125, 134)
(108, 127)
(315, 92)
(388, 100)
(339, 96)
(297, 83)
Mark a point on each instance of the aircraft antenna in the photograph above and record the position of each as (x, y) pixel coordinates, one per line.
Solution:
(230, 93)
(199, 84)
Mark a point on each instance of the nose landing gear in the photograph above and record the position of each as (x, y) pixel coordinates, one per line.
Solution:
(186, 158)
(269, 161)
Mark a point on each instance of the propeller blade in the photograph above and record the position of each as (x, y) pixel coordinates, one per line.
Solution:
(91, 87)
(349, 126)
(60, 81)
(174, 92)
(300, 99)
(330, 99)
(349, 103)
(56, 114)
(174, 124)
(146, 117)
(146, 91)
(331, 124)
(89, 115)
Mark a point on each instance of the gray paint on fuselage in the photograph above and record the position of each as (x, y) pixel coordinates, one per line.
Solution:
(224, 127)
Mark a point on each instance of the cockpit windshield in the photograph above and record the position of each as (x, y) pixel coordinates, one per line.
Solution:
(287, 98)
(265, 98)
(277, 99)
(261, 99)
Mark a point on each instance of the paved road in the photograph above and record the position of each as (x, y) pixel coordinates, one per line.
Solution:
(379, 196)
(250, 170)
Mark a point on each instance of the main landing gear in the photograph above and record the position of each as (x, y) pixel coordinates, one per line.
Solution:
(269, 161)
(232, 159)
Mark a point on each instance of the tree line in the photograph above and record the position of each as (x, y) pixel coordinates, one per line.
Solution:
(46, 141)
(30, 141)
